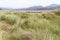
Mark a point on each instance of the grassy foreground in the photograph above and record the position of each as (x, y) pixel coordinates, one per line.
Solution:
(29, 26)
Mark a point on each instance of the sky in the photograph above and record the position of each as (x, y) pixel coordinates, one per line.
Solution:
(26, 3)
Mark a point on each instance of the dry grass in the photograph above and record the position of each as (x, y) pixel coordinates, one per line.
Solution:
(29, 26)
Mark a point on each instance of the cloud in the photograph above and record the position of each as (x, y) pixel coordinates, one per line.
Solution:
(26, 3)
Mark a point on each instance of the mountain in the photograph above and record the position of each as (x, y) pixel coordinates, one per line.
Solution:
(49, 7)
(52, 7)
(31, 8)
(4, 8)
(35, 7)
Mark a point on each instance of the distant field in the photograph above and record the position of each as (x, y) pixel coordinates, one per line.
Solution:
(29, 10)
(23, 25)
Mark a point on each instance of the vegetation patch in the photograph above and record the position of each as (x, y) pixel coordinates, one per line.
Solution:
(16, 25)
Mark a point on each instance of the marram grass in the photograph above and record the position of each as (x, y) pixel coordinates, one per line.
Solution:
(29, 26)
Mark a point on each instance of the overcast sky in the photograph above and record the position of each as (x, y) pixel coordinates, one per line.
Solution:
(26, 3)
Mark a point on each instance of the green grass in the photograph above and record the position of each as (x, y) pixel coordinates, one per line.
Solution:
(15, 25)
